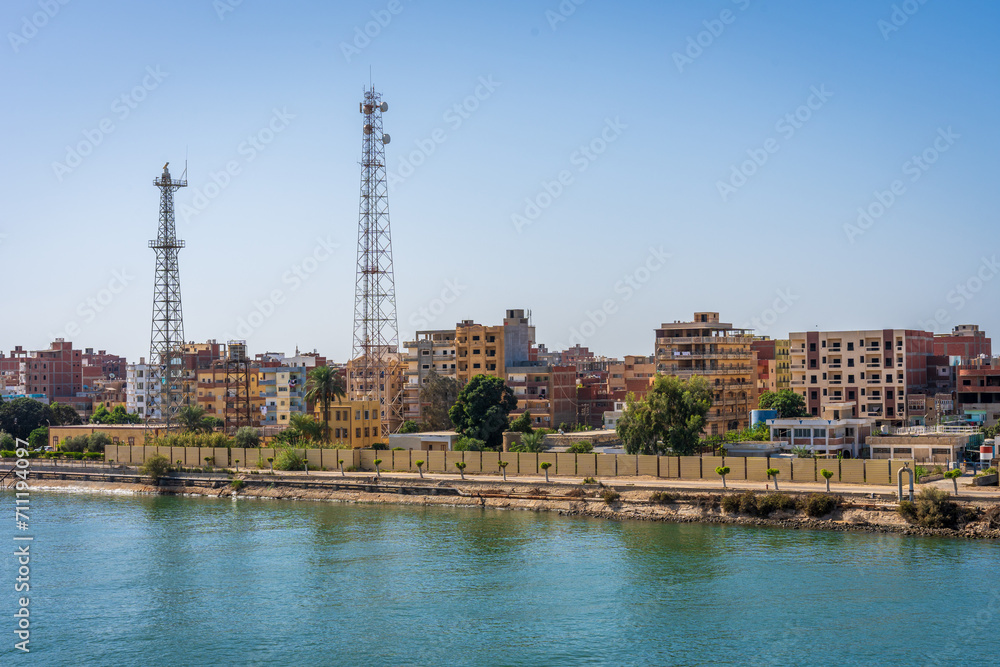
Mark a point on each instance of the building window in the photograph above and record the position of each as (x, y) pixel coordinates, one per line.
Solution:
(819, 432)
(357, 415)
(367, 415)
(367, 432)
(812, 347)
(357, 433)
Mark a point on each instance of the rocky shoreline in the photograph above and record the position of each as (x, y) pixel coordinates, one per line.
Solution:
(569, 500)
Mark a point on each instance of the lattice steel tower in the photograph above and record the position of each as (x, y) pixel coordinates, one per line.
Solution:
(167, 338)
(376, 335)
(238, 408)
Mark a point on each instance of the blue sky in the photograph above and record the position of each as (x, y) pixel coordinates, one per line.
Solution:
(713, 156)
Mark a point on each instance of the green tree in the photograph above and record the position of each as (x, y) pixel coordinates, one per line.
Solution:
(287, 459)
(116, 416)
(420, 467)
(38, 438)
(503, 469)
(249, 437)
(545, 465)
(530, 442)
(788, 403)
(378, 473)
(307, 427)
(581, 447)
(194, 419)
(722, 471)
(953, 475)
(409, 426)
(98, 442)
(21, 416)
(522, 423)
(461, 465)
(773, 472)
(466, 444)
(827, 474)
(323, 385)
(64, 415)
(669, 420)
(481, 409)
(437, 396)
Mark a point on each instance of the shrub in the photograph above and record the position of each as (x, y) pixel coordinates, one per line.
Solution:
(662, 497)
(236, 484)
(247, 437)
(288, 459)
(748, 503)
(731, 503)
(589, 480)
(819, 504)
(772, 502)
(155, 467)
(610, 496)
(98, 441)
(580, 447)
(77, 443)
(932, 509)
(467, 444)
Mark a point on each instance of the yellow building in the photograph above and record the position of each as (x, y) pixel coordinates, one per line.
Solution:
(120, 434)
(210, 390)
(723, 356)
(354, 423)
(782, 364)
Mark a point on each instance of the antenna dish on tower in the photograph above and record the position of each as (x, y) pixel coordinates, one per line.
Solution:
(368, 129)
(384, 107)
(386, 138)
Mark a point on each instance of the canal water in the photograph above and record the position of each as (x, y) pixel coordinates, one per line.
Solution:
(122, 580)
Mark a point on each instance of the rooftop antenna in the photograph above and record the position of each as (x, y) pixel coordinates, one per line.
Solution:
(185, 174)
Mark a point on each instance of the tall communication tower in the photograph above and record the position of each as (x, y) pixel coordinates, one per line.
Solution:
(376, 334)
(167, 337)
(238, 409)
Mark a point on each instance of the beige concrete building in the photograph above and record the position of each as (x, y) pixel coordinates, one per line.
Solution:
(870, 373)
(719, 353)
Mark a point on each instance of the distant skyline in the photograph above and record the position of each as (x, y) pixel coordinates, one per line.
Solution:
(607, 166)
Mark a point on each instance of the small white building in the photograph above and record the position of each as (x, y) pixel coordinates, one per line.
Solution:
(823, 437)
(611, 417)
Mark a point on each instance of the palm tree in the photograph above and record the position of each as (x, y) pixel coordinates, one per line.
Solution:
(545, 465)
(420, 467)
(827, 474)
(773, 472)
(722, 471)
(323, 385)
(194, 419)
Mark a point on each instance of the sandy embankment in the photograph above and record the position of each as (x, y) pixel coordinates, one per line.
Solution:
(634, 504)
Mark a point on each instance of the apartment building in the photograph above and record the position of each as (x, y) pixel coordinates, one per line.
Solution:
(773, 364)
(635, 373)
(283, 390)
(461, 353)
(719, 353)
(354, 423)
(137, 389)
(862, 373)
(547, 392)
(978, 392)
(213, 391)
(56, 373)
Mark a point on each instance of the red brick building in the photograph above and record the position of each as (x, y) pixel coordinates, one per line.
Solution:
(965, 341)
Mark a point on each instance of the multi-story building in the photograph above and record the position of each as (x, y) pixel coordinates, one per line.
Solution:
(283, 390)
(965, 341)
(719, 353)
(360, 388)
(56, 373)
(868, 372)
(461, 353)
(10, 371)
(978, 392)
(213, 385)
(773, 372)
(547, 392)
(100, 365)
(138, 391)
(354, 423)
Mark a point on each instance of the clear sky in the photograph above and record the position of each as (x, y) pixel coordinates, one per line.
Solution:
(607, 165)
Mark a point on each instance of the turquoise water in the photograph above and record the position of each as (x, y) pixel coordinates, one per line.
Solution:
(187, 581)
